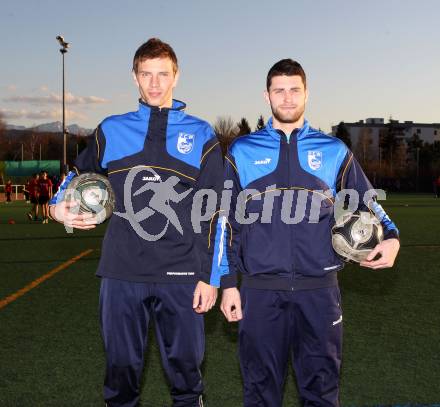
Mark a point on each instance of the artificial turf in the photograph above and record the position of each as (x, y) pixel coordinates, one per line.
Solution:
(51, 352)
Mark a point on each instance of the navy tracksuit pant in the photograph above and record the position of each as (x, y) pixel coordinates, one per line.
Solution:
(303, 324)
(126, 309)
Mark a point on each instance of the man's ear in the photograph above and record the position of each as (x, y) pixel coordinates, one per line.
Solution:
(176, 78)
(307, 95)
(135, 78)
(266, 97)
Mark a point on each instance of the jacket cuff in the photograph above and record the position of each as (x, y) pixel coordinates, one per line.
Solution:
(392, 234)
(205, 278)
(228, 281)
(205, 273)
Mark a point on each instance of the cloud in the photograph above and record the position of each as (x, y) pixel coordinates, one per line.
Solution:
(11, 88)
(31, 99)
(85, 99)
(53, 98)
(53, 114)
(12, 114)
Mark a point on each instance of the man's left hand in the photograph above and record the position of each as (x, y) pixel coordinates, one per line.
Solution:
(388, 250)
(205, 296)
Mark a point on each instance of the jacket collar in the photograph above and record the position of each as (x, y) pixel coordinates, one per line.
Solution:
(302, 132)
(178, 106)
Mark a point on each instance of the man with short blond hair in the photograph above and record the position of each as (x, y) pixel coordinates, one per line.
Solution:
(153, 266)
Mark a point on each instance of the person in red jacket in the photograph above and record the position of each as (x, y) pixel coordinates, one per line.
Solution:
(33, 197)
(437, 187)
(8, 191)
(45, 194)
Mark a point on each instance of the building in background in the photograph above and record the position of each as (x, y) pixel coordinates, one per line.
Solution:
(395, 152)
(369, 136)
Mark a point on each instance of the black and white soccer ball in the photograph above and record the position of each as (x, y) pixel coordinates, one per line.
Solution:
(355, 235)
(94, 194)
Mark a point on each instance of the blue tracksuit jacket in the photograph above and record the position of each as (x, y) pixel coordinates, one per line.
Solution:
(288, 247)
(172, 143)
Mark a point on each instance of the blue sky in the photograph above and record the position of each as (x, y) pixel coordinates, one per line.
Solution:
(362, 59)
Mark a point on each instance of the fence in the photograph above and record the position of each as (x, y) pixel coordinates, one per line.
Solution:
(17, 192)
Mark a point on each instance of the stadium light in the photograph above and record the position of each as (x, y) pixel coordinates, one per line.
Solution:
(64, 45)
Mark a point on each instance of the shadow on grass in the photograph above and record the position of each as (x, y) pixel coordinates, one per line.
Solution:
(373, 283)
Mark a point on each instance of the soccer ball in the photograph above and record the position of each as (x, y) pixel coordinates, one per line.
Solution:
(355, 235)
(94, 194)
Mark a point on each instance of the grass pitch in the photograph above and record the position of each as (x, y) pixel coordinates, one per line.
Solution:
(50, 345)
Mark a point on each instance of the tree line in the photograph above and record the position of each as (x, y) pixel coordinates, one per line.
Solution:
(403, 164)
(227, 130)
(16, 145)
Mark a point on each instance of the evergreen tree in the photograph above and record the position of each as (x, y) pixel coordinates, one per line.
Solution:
(390, 141)
(343, 134)
(243, 127)
(260, 123)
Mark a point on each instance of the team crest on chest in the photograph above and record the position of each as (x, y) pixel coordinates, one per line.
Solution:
(314, 158)
(185, 143)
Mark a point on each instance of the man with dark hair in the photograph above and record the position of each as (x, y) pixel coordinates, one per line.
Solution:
(153, 266)
(286, 67)
(289, 291)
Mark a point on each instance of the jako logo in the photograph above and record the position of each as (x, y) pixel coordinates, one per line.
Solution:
(154, 179)
(263, 162)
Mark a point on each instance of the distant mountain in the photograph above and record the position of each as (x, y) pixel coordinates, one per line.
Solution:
(14, 127)
(81, 131)
(54, 127)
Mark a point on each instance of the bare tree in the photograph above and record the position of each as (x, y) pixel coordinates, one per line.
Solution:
(225, 130)
(31, 143)
(4, 140)
(2, 124)
(364, 147)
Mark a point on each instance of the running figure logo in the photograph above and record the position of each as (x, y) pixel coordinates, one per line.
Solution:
(163, 194)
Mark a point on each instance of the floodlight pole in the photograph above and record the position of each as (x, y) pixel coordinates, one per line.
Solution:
(417, 173)
(63, 51)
